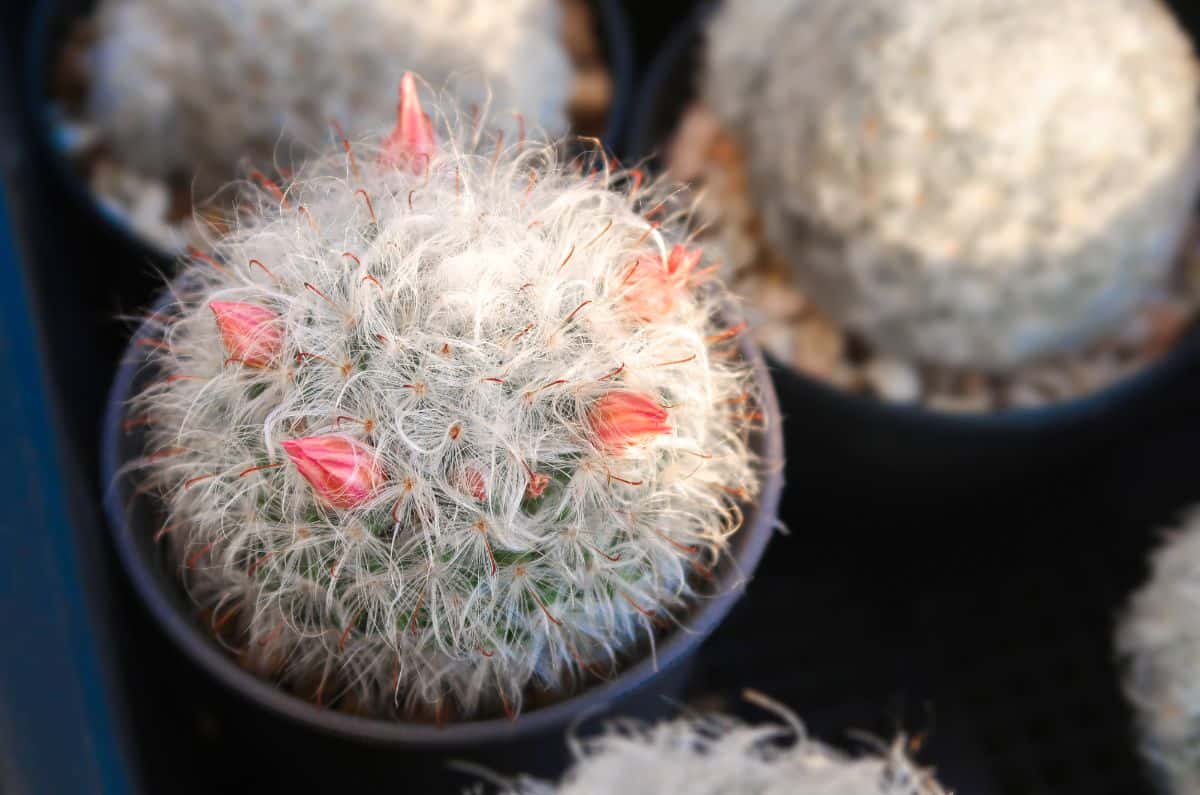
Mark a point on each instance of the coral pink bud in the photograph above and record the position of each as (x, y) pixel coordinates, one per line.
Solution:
(681, 261)
(342, 471)
(412, 140)
(250, 332)
(537, 484)
(652, 287)
(472, 482)
(623, 419)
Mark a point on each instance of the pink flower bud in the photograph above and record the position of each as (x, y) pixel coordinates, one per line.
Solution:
(250, 332)
(537, 484)
(342, 471)
(651, 288)
(623, 419)
(412, 140)
(471, 480)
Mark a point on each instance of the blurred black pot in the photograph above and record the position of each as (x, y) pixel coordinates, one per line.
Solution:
(967, 479)
(532, 743)
(51, 22)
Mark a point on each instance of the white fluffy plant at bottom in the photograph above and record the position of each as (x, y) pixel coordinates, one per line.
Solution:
(444, 424)
(720, 755)
(1159, 642)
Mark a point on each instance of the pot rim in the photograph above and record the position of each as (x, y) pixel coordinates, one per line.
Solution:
(642, 143)
(741, 560)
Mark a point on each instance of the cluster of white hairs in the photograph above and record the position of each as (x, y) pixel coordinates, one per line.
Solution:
(434, 432)
(1159, 642)
(720, 755)
(185, 90)
(967, 182)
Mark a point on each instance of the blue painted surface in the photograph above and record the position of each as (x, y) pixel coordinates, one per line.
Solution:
(56, 723)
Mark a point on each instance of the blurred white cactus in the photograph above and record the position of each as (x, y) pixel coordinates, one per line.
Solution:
(967, 182)
(186, 90)
(720, 755)
(1159, 642)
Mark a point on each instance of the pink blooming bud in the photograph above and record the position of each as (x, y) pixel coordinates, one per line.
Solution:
(623, 419)
(412, 140)
(342, 471)
(474, 482)
(651, 288)
(537, 484)
(250, 332)
(681, 261)
(471, 481)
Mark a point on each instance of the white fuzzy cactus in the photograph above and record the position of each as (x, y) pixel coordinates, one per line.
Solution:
(444, 424)
(967, 182)
(1159, 641)
(187, 90)
(720, 755)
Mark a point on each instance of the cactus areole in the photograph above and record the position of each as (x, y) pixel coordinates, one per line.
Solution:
(420, 446)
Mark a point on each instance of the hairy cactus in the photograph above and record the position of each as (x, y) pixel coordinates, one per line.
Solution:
(967, 182)
(1159, 641)
(446, 422)
(719, 755)
(185, 89)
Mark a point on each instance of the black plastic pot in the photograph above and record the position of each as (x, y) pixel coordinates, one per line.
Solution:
(531, 743)
(52, 20)
(863, 460)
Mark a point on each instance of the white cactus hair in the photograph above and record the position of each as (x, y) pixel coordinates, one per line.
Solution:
(1158, 640)
(966, 182)
(191, 88)
(466, 318)
(734, 70)
(721, 755)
